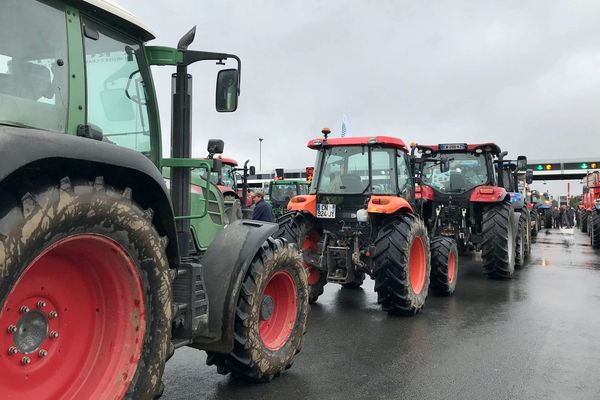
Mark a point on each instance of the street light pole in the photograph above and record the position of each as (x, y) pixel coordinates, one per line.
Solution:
(260, 140)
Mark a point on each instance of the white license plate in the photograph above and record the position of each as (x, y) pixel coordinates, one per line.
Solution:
(325, 210)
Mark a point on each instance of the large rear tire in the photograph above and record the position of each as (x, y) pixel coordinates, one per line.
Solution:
(594, 226)
(86, 289)
(498, 245)
(402, 268)
(444, 265)
(521, 242)
(535, 218)
(584, 221)
(271, 314)
(305, 232)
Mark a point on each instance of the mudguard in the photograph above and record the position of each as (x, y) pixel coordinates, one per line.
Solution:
(225, 265)
(34, 152)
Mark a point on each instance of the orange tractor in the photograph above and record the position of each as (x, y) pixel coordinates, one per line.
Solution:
(359, 219)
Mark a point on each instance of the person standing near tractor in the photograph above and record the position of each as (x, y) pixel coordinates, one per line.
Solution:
(262, 209)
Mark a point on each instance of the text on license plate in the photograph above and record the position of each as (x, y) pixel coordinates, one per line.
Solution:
(325, 210)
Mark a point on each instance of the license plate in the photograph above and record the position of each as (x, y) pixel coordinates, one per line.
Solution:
(325, 210)
(453, 146)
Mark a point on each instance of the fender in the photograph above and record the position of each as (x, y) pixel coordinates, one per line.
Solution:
(424, 192)
(225, 265)
(387, 204)
(489, 194)
(28, 154)
(307, 203)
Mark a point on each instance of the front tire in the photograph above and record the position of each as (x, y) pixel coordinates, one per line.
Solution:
(498, 247)
(584, 221)
(444, 265)
(521, 242)
(594, 226)
(271, 315)
(83, 262)
(402, 268)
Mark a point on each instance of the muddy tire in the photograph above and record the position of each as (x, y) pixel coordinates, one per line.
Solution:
(360, 278)
(521, 242)
(402, 265)
(270, 319)
(444, 265)
(584, 222)
(594, 225)
(305, 232)
(88, 266)
(498, 244)
(535, 218)
(232, 209)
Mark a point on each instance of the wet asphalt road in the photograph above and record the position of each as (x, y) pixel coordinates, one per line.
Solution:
(534, 337)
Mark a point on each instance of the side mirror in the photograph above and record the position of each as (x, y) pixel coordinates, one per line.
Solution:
(252, 170)
(529, 176)
(215, 146)
(444, 165)
(227, 90)
(521, 163)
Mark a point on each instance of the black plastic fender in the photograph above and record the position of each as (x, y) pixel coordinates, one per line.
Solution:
(225, 265)
(30, 154)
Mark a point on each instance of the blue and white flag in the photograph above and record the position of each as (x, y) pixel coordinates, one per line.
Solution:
(345, 129)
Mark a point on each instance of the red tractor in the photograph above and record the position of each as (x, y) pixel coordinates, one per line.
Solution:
(360, 218)
(463, 196)
(590, 211)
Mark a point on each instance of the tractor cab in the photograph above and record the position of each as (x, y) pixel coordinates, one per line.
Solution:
(453, 170)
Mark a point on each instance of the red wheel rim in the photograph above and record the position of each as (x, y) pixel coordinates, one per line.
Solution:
(86, 301)
(310, 246)
(451, 267)
(417, 265)
(278, 311)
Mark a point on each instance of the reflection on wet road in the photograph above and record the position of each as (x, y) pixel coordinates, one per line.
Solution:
(536, 336)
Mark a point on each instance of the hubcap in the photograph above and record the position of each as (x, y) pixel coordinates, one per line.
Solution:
(31, 332)
(266, 310)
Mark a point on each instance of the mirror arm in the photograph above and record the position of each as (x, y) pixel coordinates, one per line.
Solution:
(191, 56)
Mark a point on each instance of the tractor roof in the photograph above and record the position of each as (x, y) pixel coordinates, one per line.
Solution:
(486, 147)
(385, 141)
(110, 8)
(227, 161)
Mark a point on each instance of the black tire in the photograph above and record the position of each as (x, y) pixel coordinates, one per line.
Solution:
(232, 209)
(55, 213)
(584, 222)
(360, 278)
(294, 227)
(396, 242)
(444, 265)
(535, 218)
(250, 359)
(521, 246)
(548, 219)
(594, 225)
(498, 248)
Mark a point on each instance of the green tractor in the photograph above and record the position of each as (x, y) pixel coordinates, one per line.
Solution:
(104, 272)
(281, 191)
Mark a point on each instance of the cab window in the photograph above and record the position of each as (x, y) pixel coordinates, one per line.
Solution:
(116, 92)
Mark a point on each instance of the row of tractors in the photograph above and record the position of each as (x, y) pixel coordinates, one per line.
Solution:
(589, 209)
(403, 216)
(112, 256)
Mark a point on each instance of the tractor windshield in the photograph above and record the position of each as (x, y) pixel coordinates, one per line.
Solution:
(33, 65)
(466, 171)
(228, 177)
(282, 192)
(349, 169)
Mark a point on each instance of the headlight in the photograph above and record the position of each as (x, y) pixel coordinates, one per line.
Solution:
(362, 215)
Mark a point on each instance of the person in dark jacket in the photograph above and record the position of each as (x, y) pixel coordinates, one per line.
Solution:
(262, 210)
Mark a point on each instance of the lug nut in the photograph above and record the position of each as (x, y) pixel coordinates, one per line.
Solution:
(12, 329)
(25, 361)
(24, 309)
(42, 353)
(12, 351)
(53, 335)
(41, 304)
(52, 314)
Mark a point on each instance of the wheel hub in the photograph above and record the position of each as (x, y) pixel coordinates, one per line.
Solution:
(267, 307)
(32, 330)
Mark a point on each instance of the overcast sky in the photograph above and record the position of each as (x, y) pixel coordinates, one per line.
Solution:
(525, 74)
